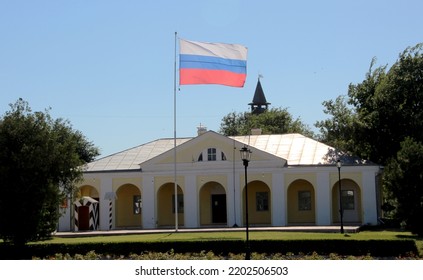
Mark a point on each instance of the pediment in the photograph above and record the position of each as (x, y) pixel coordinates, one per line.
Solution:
(189, 152)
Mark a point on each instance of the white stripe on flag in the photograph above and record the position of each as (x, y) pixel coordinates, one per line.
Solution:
(230, 51)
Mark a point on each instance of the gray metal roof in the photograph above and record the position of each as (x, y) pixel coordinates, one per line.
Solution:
(295, 148)
(131, 158)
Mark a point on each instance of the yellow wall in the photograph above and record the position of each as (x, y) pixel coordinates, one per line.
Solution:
(89, 187)
(353, 179)
(191, 154)
(125, 216)
(310, 177)
(205, 201)
(251, 177)
(87, 190)
(354, 176)
(221, 179)
(164, 204)
(118, 182)
(160, 181)
(350, 216)
(254, 216)
(296, 216)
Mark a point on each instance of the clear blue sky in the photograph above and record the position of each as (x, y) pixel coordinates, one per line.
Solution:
(108, 66)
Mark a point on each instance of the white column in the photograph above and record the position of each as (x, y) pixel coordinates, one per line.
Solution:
(111, 197)
(278, 200)
(149, 202)
(323, 199)
(106, 187)
(369, 198)
(65, 223)
(230, 200)
(191, 206)
(239, 185)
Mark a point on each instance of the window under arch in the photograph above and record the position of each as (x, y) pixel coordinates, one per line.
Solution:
(212, 154)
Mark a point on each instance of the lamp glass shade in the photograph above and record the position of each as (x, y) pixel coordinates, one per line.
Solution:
(245, 154)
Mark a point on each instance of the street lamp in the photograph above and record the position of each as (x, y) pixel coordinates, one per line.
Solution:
(245, 156)
(341, 210)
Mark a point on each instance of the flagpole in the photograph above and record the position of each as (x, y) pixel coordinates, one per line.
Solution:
(174, 137)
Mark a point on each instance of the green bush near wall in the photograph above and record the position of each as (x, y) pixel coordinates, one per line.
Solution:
(374, 248)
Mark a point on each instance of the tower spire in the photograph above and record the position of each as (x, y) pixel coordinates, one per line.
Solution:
(259, 104)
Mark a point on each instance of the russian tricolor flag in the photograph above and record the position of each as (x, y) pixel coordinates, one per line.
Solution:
(212, 63)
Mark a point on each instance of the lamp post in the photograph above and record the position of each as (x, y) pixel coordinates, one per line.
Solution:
(245, 156)
(341, 210)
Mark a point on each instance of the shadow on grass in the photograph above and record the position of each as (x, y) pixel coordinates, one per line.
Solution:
(217, 239)
(414, 237)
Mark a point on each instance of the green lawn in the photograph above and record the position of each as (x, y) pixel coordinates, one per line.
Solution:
(254, 235)
(238, 235)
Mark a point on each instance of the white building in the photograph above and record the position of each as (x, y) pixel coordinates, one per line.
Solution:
(292, 180)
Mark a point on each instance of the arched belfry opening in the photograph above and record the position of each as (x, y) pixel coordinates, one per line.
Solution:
(259, 104)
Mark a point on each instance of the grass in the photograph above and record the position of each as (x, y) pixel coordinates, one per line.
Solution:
(239, 235)
(255, 235)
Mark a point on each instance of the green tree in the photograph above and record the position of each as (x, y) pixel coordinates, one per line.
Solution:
(338, 131)
(273, 121)
(379, 114)
(40, 161)
(403, 178)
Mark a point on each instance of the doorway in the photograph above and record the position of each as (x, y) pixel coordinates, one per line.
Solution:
(83, 218)
(218, 208)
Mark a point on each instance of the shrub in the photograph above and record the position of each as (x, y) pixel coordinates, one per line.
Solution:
(261, 249)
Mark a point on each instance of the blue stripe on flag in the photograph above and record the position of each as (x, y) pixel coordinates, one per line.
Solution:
(188, 61)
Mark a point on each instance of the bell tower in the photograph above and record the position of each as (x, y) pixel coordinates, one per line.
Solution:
(259, 104)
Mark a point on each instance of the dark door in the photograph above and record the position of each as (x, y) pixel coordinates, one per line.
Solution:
(83, 218)
(218, 208)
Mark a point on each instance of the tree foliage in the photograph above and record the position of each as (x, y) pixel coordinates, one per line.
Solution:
(404, 182)
(40, 161)
(273, 121)
(339, 130)
(381, 116)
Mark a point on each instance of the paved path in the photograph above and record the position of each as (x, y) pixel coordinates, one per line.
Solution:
(347, 229)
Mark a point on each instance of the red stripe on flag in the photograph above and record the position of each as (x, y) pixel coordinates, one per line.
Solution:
(221, 77)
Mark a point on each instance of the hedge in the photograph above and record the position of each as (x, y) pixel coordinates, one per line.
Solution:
(374, 248)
